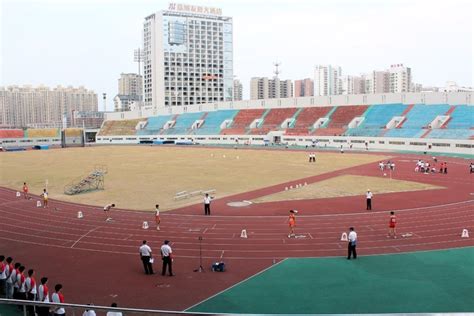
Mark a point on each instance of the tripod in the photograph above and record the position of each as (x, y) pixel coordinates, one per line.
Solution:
(200, 268)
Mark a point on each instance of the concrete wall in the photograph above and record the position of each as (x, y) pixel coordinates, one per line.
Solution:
(374, 143)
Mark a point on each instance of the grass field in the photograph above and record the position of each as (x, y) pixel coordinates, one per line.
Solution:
(347, 185)
(141, 176)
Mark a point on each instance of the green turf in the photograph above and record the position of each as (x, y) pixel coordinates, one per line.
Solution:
(434, 281)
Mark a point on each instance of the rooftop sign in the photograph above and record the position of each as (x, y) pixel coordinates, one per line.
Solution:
(194, 9)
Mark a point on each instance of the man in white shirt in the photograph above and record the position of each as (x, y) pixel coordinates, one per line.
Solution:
(207, 204)
(89, 312)
(114, 313)
(145, 256)
(11, 281)
(166, 255)
(352, 244)
(369, 195)
(43, 296)
(58, 297)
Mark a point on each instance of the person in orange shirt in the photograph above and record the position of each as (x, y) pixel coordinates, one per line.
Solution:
(391, 225)
(25, 190)
(292, 222)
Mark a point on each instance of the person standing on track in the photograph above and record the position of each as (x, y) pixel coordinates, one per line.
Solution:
(145, 256)
(445, 166)
(30, 286)
(45, 198)
(207, 204)
(107, 208)
(369, 196)
(20, 283)
(292, 223)
(11, 291)
(157, 216)
(166, 256)
(25, 191)
(58, 297)
(351, 248)
(43, 296)
(391, 225)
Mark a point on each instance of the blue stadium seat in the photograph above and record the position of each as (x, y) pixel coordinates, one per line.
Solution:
(378, 115)
(462, 117)
(213, 121)
(421, 115)
(451, 133)
(405, 132)
(155, 125)
(184, 123)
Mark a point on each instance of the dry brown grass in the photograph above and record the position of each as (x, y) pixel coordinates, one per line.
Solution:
(141, 176)
(347, 185)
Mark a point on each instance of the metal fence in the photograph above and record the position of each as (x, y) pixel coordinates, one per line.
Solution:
(78, 309)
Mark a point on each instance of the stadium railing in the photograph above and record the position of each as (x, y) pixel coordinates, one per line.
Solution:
(78, 309)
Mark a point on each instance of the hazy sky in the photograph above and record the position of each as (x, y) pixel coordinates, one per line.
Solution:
(86, 42)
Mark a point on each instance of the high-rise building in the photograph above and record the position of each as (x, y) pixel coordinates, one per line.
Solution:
(238, 90)
(41, 106)
(304, 88)
(351, 85)
(265, 88)
(188, 56)
(130, 84)
(130, 87)
(400, 78)
(326, 80)
(377, 82)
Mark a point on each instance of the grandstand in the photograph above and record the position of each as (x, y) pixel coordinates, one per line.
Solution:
(42, 132)
(184, 123)
(11, 133)
(214, 120)
(305, 120)
(273, 119)
(123, 127)
(242, 121)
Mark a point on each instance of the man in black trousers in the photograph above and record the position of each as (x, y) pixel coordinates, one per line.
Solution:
(145, 255)
(166, 255)
(351, 249)
(207, 204)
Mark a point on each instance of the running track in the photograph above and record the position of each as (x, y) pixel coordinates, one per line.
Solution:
(98, 262)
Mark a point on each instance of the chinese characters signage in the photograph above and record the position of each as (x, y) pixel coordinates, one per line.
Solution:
(194, 9)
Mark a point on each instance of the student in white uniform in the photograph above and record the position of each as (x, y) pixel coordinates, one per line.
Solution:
(43, 296)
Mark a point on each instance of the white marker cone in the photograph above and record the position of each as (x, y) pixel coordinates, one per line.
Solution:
(18, 194)
(465, 233)
(145, 225)
(38, 203)
(80, 215)
(344, 237)
(243, 234)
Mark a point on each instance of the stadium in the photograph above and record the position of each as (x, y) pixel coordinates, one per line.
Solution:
(251, 157)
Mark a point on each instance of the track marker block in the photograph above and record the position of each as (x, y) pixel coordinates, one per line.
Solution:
(344, 237)
(18, 194)
(291, 187)
(38, 203)
(243, 234)
(145, 225)
(465, 233)
(305, 184)
(80, 215)
(223, 156)
(238, 157)
(407, 235)
(286, 188)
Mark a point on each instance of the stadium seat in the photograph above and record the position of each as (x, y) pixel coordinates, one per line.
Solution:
(213, 121)
(11, 133)
(273, 120)
(242, 121)
(184, 123)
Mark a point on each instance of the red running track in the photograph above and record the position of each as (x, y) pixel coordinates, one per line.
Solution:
(98, 262)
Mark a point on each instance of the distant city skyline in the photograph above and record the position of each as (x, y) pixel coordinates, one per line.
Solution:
(91, 43)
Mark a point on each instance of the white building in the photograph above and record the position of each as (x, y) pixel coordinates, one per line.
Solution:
(188, 56)
(400, 78)
(130, 91)
(326, 80)
(377, 82)
(41, 106)
(238, 90)
(265, 88)
(351, 85)
(452, 86)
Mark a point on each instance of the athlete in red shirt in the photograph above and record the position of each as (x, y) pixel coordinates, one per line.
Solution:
(391, 225)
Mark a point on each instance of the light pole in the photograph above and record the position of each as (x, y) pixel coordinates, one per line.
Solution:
(104, 96)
